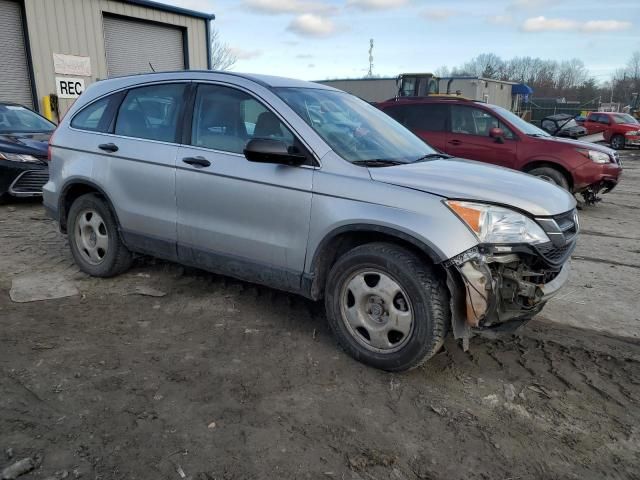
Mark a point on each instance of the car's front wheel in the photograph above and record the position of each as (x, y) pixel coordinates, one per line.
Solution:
(618, 142)
(94, 238)
(387, 307)
(551, 175)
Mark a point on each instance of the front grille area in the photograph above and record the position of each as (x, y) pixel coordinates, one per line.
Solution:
(568, 225)
(29, 183)
(555, 255)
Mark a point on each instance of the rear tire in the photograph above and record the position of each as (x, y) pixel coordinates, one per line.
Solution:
(551, 175)
(618, 142)
(387, 307)
(94, 238)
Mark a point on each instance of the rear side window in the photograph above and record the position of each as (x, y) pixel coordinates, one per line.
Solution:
(151, 112)
(423, 117)
(94, 116)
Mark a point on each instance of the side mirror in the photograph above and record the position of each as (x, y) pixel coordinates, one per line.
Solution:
(266, 150)
(497, 134)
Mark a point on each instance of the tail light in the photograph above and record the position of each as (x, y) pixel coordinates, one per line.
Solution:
(49, 152)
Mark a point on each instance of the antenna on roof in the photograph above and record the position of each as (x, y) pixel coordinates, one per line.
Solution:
(370, 74)
(152, 69)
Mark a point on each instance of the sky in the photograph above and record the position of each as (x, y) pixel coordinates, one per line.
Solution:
(317, 40)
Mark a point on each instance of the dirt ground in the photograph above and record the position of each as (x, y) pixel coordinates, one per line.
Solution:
(173, 373)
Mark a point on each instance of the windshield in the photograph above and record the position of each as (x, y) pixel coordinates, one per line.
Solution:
(355, 130)
(18, 119)
(623, 118)
(522, 125)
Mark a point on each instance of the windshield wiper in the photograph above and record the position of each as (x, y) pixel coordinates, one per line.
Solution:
(377, 162)
(431, 156)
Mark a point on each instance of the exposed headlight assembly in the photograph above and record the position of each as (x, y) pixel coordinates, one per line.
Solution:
(18, 157)
(493, 224)
(632, 133)
(595, 156)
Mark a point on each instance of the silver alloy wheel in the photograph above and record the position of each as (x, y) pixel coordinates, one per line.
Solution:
(376, 311)
(91, 236)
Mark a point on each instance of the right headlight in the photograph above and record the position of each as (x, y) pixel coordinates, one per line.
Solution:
(18, 157)
(595, 156)
(493, 224)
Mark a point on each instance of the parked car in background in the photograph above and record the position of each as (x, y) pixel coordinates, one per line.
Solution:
(492, 134)
(563, 125)
(620, 130)
(24, 136)
(324, 196)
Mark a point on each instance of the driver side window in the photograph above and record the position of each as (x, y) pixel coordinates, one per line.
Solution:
(226, 119)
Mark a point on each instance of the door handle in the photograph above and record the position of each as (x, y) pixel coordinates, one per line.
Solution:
(197, 161)
(108, 147)
(455, 142)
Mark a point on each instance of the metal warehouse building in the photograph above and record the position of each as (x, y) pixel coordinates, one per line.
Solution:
(61, 46)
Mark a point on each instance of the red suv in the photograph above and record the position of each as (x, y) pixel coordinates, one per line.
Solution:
(619, 129)
(491, 134)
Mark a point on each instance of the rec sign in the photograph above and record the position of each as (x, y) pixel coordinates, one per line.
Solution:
(67, 87)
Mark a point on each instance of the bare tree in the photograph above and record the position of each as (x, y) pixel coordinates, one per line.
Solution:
(222, 56)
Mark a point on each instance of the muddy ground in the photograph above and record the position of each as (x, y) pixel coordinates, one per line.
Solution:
(220, 379)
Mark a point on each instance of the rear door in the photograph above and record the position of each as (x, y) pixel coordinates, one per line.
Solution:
(137, 165)
(244, 219)
(468, 137)
(426, 120)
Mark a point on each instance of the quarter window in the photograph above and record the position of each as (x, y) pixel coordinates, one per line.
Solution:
(474, 121)
(93, 117)
(151, 112)
(226, 119)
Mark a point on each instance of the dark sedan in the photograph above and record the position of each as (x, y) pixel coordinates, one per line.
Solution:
(24, 137)
(563, 125)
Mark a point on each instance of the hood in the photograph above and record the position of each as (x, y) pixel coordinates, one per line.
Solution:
(577, 144)
(31, 143)
(469, 180)
(629, 126)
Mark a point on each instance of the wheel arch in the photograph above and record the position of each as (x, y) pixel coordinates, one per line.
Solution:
(346, 237)
(539, 163)
(74, 189)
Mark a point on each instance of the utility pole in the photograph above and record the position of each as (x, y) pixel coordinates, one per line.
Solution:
(370, 74)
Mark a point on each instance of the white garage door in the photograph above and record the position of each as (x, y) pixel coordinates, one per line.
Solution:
(15, 84)
(132, 45)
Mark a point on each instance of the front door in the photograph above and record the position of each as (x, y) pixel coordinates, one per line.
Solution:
(468, 137)
(239, 218)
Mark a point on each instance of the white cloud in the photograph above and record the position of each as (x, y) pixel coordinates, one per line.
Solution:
(438, 13)
(376, 4)
(500, 19)
(604, 26)
(311, 25)
(242, 54)
(543, 24)
(528, 4)
(304, 56)
(275, 7)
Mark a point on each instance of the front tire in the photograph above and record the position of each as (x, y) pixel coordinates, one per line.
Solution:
(618, 142)
(94, 238)
(551, 175)
(387, 307)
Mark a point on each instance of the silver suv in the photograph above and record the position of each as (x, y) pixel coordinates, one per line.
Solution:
(308, 189)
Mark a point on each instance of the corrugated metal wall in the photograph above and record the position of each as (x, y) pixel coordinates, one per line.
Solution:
(14, 71)
(75, 27)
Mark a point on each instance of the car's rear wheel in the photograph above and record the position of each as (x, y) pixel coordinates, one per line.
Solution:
(386, 306)
(551, 175)
(618, 142)
(94, 238)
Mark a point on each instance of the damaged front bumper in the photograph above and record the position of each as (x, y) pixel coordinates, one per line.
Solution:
(491, 286)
